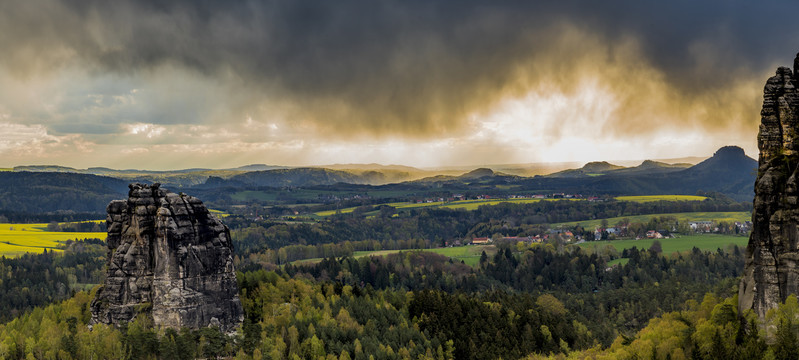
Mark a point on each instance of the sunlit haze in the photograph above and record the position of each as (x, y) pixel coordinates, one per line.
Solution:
(223, 84)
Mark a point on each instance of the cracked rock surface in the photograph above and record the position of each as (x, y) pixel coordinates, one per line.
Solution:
(771, 272)
(169, 259)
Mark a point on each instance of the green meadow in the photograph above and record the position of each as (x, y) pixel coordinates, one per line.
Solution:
(679, 244)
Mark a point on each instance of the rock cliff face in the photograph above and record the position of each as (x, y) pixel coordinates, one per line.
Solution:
(772, 257)
(169, 259)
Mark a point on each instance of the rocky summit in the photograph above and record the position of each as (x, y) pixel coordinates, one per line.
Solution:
(771, 272)
(169, 259)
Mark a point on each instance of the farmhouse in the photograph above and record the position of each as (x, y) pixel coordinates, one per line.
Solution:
(481, 241)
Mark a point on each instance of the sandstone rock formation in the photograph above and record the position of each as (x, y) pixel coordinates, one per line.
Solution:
(772, 257)
(169, 259)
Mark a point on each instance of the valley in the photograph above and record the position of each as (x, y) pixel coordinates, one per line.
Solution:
(378, 259)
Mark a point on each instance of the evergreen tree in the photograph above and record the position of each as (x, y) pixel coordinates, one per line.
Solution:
(785, 346)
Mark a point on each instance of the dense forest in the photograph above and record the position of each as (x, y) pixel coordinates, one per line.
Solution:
(540, 300)
(39, 279)
(520, 300)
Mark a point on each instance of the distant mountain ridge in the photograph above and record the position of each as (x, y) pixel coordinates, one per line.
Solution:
(51, 188)
(728, 171)
(297, 177)
(372, 174)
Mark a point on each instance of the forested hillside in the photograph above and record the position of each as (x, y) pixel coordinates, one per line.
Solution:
(538, 300)
(41, 192)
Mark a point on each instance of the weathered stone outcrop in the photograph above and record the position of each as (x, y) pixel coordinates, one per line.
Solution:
(169, 259)
(771, 272)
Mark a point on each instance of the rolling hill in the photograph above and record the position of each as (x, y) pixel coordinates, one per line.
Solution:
(53, 188)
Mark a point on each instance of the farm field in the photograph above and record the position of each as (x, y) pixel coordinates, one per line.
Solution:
(470, 254)
(17, 239)
(474, 204)
(682, 217)
(218, 213)
(682, 243)
(650, 198)
(459, 204)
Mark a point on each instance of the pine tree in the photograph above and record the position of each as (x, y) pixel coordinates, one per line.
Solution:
(785, 346)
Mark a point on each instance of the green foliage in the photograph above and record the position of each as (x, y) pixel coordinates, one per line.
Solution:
(494, 325)
(710, 330)
(39, 279)
(519, 301)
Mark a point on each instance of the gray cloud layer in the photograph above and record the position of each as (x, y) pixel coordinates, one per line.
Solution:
(395, 67)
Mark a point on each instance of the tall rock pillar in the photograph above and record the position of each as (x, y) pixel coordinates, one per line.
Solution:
(169, 259)
(771, 272)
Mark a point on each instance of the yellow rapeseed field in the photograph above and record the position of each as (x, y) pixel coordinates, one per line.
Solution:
(649, 198)
(17, 239)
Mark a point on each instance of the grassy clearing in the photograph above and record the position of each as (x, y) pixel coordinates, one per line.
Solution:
(650, 198)
(17, 239)
(469, 254)
(681, 217)
(622, 261)
(682, 243)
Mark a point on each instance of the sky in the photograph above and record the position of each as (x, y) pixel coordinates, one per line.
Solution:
(218, 84)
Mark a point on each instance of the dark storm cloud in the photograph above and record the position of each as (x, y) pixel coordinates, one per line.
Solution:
(400, 67)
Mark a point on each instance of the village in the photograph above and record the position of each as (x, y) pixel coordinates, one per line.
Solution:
(616, 233)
